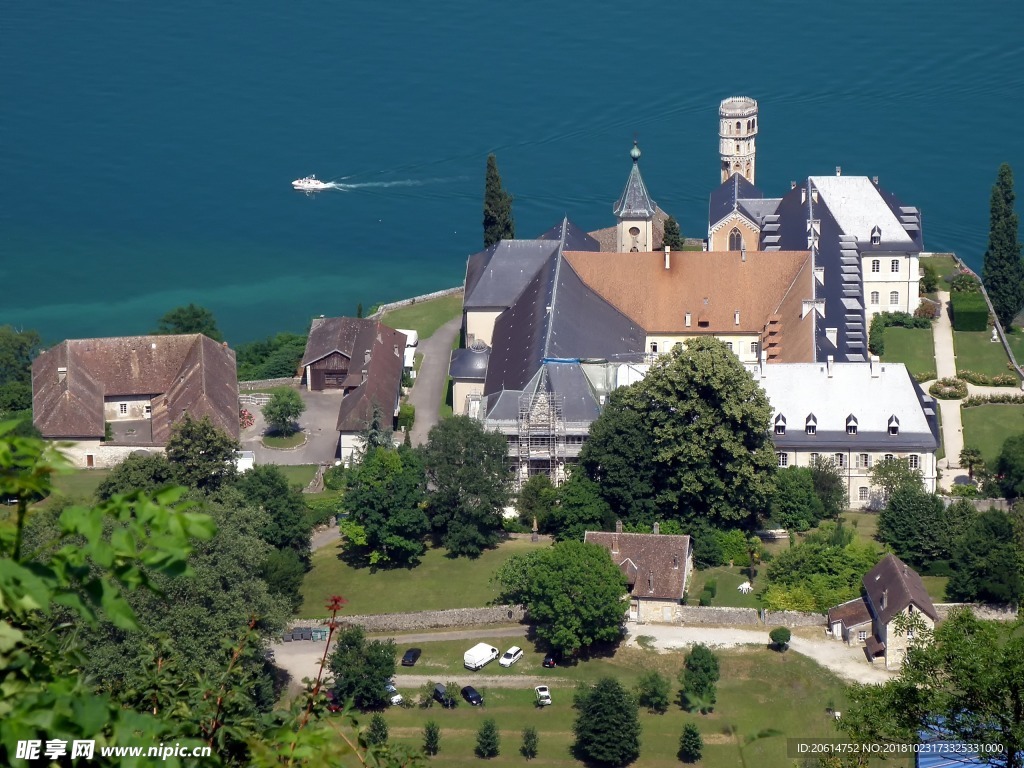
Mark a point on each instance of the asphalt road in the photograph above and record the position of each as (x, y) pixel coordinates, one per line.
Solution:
(432, 378)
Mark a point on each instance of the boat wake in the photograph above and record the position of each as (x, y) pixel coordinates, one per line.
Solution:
(310, 184)
(382, 184)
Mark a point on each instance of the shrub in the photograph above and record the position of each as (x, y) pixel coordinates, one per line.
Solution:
(921, 378)
(431, 736)
(927, 310)
(321, 509)
(929, 277)
(975, 400)
(378, 731)
(691, 745)
(949, 389)
(964, 491)
(334, 478)
(964, 282)
(970, 312)
(712, 587)
(780, 637)
(652, 691)
(733, 545)
(406, 416)
(984, 380)
(529, 747)
(883, 320)
(705, 599)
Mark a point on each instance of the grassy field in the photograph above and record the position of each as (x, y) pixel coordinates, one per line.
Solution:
(1016, 339)
(944, 266)
(912, 346)
(975, 352)
(987, 427)
(728, 578)
(293, 440)
(425, 317)
(78, 485)
(864, 525)
(759, 689)
(437, 582)
(936, 586)
(298, 474)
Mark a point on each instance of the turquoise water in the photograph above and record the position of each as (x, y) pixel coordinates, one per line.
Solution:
(147, 149)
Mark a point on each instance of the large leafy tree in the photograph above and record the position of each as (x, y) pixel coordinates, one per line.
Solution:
(909, 523)
(270, 358)
(690, 441)
(795, 505)
(201, 456)
(385, 496)
(572, 592)
(580, 509)
(537, 500)
(267, 488)
(965, 685)
(361, 668)
(986, 562)
(17, 348)
(190, 319)
(607, 726)
(699, 679)
(142, 472)
(829, 487)
(889, 475)
(468, 478)
(1010, 467)
(283, 409)
(498, 222)
(1003, 272)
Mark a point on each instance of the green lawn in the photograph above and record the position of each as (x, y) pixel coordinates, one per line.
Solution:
(936, 586)
(912, 346)
(728, 580)
(759, 690)
(987, 427)
(293, 440)
(78, 484)
(1016, 339)
(438, 582)
(298, 474)
(864, 525)
(425, 317)
(445, 409)
(975, 352)
(944, 266)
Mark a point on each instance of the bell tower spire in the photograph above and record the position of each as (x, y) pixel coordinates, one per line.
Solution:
(635, 211)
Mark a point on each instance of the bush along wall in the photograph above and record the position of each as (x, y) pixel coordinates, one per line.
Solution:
(883, 320)
(970, 311)
(983, 380)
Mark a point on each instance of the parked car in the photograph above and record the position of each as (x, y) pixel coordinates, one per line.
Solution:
(393, 695)
(470, 694)
(480, 655)
(543, 695)
(411, 657)
(441, 696)
(512, 655)
(550, 661)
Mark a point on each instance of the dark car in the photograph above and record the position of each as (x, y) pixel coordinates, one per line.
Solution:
(550, 661)
(441, 696)
(410, 657)
(470, 694)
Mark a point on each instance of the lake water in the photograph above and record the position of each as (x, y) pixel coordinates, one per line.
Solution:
(148, 148)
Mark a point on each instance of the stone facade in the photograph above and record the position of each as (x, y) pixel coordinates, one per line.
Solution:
(95, 454)
(405, 622)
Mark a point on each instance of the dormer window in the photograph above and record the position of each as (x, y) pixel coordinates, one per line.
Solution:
(811, 425)
(780, 425)
(851, 425)
(894, 425)
(876, 235)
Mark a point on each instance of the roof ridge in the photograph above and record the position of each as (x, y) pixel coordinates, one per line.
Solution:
(554, 291)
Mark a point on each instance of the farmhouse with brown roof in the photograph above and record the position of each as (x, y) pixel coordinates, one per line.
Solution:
(140, 385)
(891, 589)
(364, 358)
(656, 567)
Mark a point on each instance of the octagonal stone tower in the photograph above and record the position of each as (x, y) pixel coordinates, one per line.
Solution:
(737, 135)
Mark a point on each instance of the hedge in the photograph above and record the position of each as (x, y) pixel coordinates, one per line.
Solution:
(984, 380)
(949, 389)
(976, 400)
(883, 320)
(970, 312)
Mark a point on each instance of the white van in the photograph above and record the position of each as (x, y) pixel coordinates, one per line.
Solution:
(412, 340)
(480, 655)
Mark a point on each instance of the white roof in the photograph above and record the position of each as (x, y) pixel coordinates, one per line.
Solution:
(858, 208)
(796, 390)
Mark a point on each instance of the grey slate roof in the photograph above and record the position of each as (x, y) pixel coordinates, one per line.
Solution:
(901, 585)
(496, 277)
(738, 194)
(575, 238)
(634, 203)
(470, 364)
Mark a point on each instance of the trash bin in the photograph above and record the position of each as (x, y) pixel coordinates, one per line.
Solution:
(320, 634)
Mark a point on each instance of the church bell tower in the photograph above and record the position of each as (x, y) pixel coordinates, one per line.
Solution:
(737, 136)
(635, 211)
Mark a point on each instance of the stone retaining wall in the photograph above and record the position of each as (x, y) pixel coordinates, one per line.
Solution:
(285, 381)
(695, 614)
(409, 622)
(774, 619)
(987, 612)
(425, 297)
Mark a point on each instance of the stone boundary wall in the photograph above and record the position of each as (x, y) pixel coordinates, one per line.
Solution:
(986, 612)
(407, 302)
(405, 622)
(284, 381)
(774, 619)
(982, 505)
(695, 614)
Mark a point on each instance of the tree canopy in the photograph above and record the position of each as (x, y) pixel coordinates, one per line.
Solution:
(17, 348)
(270, 358)
(689, 441)
(190, 319)
(607, 726)
(986, 563)
(1010, 467)
(281, 412)
(888, 475)
(498, 222)
(201, 455)
(1003, 271)
(142, 472)
(580, 508)
(572, 592)
(469, 480)
(909, 524)
(361, 668)
(699, 679)
(673, 238)
(794, 504)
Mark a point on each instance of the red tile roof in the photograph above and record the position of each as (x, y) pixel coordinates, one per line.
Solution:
(654, 564)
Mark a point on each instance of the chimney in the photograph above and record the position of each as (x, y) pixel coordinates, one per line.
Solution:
(224, 344)
(366, 357)
(875, 366)
(686, 319)
(62, 374)
(668, 257)
(874, 180)
(803, 194)
(839, 170)
(792, 185)
(657, 528)
(736, 317)
(396, 350)
(829, 362)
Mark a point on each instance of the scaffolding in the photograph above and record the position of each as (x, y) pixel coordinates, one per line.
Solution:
(541, 436)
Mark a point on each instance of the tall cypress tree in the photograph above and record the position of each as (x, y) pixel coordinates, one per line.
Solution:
(1004, 271)
(498, 223)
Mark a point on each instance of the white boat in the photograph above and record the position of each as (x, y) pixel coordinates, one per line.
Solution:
(310, 184)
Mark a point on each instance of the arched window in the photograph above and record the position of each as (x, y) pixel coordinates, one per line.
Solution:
(875, 297)
(735, 240)
(739, 126)
(894, 297)
(876, 265)
(783, 459)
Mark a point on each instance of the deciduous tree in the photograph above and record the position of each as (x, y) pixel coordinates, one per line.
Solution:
(530, 743)
(607, 726)
(909, 523)
(830, 487)
(537, 500)
(1010, 467)
(498, 222)
(986, 565)
(1003, 272)
(270, 358)
(17, 348)
(431, 736)
(690, 441)
(201, 456)
(580, 508)
(794, 503)
(699, 679)
(572, 593)
(190, 319)
(780, 637)
(266, 487)
(469, 480)
(378, 730)
(145, 472)
(653, 691)
(361, 668)
(281, 412)
(890, 474)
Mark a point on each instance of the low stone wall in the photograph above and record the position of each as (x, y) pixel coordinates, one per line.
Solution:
(774, 619)
(408, 622)
(285, 381)
(407, 302)
(695, 614)
(986, 612)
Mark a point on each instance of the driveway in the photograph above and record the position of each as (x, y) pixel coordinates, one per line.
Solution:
(318, 422)
(432, 378)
